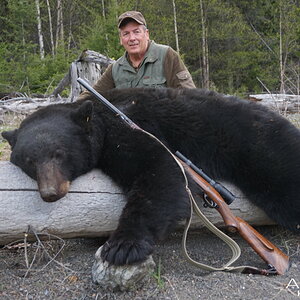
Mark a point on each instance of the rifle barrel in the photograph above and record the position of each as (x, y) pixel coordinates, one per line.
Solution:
(225, 193)
(106, 102)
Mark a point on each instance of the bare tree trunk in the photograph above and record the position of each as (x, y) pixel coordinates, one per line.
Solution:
(39, 23)
(282, 87)
(23, 39)
(70, 36)
(175, 26)
(104, 17)
(50, 28)
(103, 9)
(24, 55)
(298, 78)
(205, 61)
(60, 26)
(207, 81)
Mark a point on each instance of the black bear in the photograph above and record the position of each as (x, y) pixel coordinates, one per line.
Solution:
(230, 139)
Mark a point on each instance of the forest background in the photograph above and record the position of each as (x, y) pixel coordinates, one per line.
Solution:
(231, 46)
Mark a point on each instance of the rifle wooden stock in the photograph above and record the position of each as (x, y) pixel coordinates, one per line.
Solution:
(264, 248)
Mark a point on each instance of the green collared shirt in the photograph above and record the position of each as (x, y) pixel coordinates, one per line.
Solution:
(162, 66)
(150, 72)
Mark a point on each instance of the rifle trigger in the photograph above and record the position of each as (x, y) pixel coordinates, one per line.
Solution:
(209, 202)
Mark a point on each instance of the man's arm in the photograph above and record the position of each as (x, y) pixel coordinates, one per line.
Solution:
(105, 83)
(176, 73)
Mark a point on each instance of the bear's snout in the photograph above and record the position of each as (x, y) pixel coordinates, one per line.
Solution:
(51, 182)
(50, 194)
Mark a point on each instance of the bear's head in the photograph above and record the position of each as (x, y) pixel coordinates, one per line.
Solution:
(55, 145)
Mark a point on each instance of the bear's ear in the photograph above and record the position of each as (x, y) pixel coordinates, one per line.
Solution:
(10, 136)
(83, 114)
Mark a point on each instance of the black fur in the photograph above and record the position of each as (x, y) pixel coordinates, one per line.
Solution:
(230, 139)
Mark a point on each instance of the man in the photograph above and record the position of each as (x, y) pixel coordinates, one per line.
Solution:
(145, 63)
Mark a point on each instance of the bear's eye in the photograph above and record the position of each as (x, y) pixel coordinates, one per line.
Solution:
(28, 161)
(59, 154)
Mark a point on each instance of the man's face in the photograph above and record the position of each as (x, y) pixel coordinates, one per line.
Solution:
(134, 38)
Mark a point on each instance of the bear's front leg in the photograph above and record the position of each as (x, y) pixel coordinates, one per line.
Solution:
(129, 244)
(156, 202)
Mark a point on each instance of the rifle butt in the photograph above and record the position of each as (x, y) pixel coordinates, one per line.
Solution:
(264, 248)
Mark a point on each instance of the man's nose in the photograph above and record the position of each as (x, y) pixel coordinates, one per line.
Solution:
(131, 36)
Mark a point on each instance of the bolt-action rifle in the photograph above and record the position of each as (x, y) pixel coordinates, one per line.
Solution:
(277, 261)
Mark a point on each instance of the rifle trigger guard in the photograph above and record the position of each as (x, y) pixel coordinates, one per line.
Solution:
(209, 202)
(271, 270)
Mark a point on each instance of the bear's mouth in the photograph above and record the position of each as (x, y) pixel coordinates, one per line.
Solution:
(52, 184)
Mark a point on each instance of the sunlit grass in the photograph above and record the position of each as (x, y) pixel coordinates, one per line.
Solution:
(9, 121)
(294, 118)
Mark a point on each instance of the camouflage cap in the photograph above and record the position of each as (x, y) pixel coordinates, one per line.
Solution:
(135, 15)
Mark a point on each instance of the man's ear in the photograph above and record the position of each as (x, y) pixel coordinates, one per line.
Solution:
(83, 113)
(10, 136)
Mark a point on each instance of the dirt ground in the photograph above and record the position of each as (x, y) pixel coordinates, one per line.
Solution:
(62, 269)
(47, 272)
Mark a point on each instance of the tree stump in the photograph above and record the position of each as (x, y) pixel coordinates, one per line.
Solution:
(90, 65)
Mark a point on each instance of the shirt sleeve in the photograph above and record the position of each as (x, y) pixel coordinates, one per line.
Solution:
(105, 83)
(176, 73)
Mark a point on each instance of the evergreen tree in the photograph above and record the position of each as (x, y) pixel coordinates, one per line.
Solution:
(231, 46)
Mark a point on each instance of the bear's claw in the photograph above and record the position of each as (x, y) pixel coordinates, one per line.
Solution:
(125, 251)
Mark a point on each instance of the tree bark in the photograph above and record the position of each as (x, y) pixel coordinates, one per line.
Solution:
(60, 24)
(89, 65)
(175, 26)
(62, 85)
(282, 71)
(40, 34)
(103, 9)
(50, 27)
(90, 209)
(205, 62)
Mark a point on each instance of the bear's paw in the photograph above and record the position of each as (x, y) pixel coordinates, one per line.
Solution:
(120, 251)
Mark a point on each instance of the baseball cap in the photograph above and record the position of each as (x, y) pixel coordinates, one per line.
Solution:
(135, 15)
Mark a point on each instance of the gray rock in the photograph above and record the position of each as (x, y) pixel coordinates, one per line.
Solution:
(121, 278)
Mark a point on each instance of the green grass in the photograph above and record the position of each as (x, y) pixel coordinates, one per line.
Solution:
(157, 275)
(9, 121)
(4, 146)
(4, 149)
(294, 118)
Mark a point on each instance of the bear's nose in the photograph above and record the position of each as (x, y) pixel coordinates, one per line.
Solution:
(49, 194)
(51, 182)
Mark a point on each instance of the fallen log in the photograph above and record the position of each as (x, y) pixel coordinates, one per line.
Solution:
(283, 103)
(90, 209)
